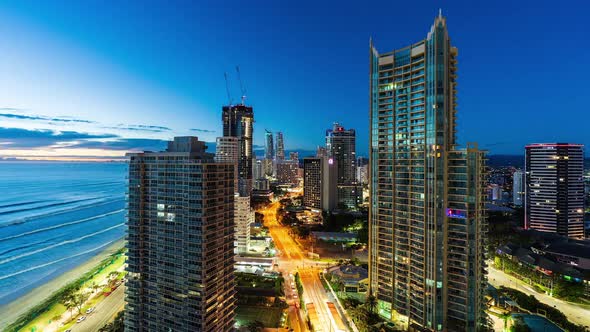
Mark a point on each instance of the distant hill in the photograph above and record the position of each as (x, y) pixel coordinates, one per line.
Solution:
(497, 160)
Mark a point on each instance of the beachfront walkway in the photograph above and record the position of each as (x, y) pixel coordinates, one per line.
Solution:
(54, 317)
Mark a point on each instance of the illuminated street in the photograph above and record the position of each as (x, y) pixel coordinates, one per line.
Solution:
(576, 313)
(291, 260)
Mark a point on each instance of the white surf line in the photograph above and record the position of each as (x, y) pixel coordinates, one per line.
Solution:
(58, 212)
(61, 225)
(59, 244)
(55, 261)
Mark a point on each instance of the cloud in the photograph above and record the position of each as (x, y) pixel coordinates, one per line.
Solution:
(24, 138)
(39, 117)
(142, 128)
(122, 144)
(202, 130)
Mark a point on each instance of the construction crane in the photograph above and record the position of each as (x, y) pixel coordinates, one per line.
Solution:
(241, 85)
(229, 99)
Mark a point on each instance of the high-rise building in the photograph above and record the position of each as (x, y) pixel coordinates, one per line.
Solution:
(319, 183)
(180, 240)
(518, 181)
(362, 174)
(294, 156)
(269, 150)
(554, 199)
(341, 146)
(244, 216)
(321, 152)
(280, 150)
(258, 172)
(227, 151)
(238, 121)
(426, 219)
(287, 172)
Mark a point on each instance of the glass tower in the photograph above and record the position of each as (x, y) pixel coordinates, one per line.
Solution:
(427, 223)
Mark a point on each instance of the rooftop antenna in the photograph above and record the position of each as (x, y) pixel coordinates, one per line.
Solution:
(241, 85)
(227, 90)
(440, 12)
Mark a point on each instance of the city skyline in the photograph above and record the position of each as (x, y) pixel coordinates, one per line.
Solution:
(82, 83)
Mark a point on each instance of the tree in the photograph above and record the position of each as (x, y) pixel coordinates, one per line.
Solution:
(68, 298)
(371, 303)
(78, 299)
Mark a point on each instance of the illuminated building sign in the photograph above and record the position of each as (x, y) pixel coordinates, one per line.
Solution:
(453, 213)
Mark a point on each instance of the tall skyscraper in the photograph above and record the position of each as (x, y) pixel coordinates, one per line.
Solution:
(555, 188)
(238, 121)
(227, 151)
(518, 181)
(341, 146)
(319, 183)
(269, 150)
(426, 218)
(180, 240)
(280, 151)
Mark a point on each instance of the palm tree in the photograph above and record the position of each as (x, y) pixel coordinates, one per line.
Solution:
(371, 302)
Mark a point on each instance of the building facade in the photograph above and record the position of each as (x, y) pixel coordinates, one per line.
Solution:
(518, 191)
(427, 226)
(180, 240)
(319, 183)
(280, 150)
(244, 216)
(341, 147)
(238, 121)
(269, 148)
(287, 172)
(555, 188)
(227, 151)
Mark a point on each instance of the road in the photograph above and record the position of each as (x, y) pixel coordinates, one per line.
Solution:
(103, 313)
(576, 313)
(292, 259)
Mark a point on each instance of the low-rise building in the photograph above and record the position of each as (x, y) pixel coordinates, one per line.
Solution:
(351, 278)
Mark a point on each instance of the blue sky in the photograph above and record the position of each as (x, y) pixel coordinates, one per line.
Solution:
(95, 78)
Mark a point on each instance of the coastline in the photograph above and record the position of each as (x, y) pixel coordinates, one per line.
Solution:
(11, 311)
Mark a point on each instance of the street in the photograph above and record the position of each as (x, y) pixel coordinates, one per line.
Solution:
(291, 260)
(576, 313)
(103, 312)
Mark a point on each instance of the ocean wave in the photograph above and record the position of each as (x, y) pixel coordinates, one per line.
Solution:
(55, 261)
(54, 213)
(21, 204)
(45, 206)
(61, 225)
(59, 244)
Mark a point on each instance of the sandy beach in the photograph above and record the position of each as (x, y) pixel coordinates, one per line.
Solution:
(11, 311)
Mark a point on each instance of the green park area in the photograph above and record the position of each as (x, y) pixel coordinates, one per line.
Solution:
(259, 300)
(268, 316)
(53, 308)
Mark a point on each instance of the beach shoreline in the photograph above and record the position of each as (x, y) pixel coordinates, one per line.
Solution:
(13, 310)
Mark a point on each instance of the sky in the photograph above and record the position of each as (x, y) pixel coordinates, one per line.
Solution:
(95, 79)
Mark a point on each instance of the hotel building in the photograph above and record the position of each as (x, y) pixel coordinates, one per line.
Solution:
(180, 240)
(555, 188)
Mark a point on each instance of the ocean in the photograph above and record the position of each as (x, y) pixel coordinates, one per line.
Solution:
(54, 217)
